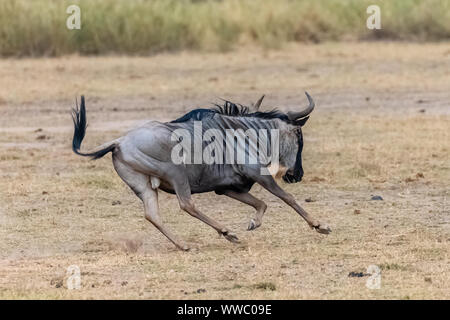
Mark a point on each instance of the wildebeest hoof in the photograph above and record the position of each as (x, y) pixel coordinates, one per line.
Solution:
(252, 225)
(184, 247)
(324, 229)
(231, 237)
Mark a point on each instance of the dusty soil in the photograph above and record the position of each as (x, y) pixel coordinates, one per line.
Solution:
(381, 127)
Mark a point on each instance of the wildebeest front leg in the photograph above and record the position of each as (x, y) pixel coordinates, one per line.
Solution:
(270, 184)
(183, 192)
(247, 198)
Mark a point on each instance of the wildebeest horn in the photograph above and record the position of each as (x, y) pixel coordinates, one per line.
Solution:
(258, 103)
(301, 114)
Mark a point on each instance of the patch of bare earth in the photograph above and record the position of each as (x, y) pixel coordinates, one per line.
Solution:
(381, 128)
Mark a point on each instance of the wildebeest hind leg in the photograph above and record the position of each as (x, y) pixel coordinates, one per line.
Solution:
(249, 199)
(141, 185)
(183, 191)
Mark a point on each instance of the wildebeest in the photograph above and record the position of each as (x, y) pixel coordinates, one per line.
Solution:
(143, 159)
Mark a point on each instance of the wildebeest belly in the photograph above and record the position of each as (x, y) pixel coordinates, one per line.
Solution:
(217, 178)
(209, 178)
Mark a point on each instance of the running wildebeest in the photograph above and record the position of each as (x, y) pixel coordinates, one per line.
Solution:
(143, 159)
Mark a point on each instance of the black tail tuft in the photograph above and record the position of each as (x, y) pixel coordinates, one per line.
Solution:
(80, 125)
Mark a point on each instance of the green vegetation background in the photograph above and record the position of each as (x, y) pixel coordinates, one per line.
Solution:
(38, 27)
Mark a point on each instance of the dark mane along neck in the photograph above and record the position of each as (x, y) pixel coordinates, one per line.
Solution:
(230, 109)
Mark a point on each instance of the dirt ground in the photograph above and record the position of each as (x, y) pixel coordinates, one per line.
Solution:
(381, 128)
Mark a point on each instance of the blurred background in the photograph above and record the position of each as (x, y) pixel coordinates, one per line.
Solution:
(34, 28)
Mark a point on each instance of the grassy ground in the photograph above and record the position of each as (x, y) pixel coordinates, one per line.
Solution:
(144, 27)
(381, 127)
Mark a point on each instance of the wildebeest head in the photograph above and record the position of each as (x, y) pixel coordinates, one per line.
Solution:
(289, 125)
(294, 140)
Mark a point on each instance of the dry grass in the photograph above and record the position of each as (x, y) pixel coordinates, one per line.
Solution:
(367, 137)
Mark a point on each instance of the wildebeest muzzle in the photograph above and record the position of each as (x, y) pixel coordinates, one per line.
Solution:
(293, 178)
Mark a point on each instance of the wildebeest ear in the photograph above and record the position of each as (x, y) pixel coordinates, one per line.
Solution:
(301, 122)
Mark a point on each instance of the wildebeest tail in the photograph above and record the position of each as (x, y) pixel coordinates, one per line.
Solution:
(80, 125)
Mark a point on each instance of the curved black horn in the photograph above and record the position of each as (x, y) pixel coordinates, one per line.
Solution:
(301, 114)
(258, 103)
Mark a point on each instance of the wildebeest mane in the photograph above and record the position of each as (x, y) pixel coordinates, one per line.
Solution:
(196, 115)
(233, 110)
